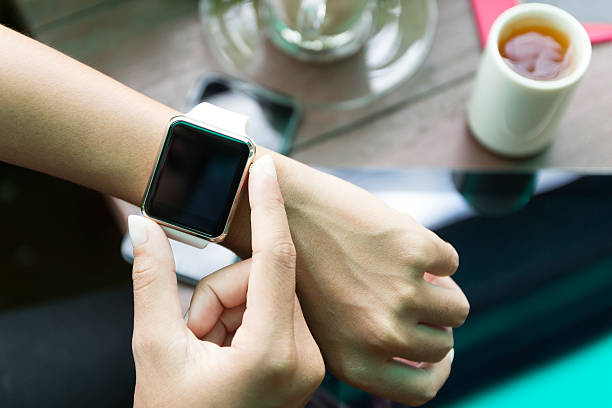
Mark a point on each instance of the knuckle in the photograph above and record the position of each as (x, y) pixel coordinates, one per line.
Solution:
(406, 302)
(318, 374)
(453, 257)
(284, 254)
(428, 393)
(144, 345)
(450, 343)
(203, 286)
(407, 296)
(142, 275)
(437, 352)
(348, 367)
(422, 304)
(313, 375)
(281, 368)
(276, 198)
(274, 202)
(280, 364)
(442, 351)
(424, 392)
(356, 373)
(464, 313)
(417, 253)
(389, 338)
(418, 402)
(145, 264)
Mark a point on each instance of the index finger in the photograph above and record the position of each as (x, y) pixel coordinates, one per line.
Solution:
(271, 288)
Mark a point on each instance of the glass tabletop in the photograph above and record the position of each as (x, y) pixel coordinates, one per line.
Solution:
(400, 37)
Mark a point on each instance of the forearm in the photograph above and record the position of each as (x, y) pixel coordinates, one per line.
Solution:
(63, 118)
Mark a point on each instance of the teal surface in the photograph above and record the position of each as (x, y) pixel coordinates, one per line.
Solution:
(582, 378)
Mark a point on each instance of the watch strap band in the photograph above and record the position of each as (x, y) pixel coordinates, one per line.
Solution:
(220, 118)
(185, 238)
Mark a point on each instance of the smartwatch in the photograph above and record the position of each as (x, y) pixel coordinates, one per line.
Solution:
(200, 170)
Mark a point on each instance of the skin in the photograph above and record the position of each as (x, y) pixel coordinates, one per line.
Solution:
(373, 283)
(261, 355)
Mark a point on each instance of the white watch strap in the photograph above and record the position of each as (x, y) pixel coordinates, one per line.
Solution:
(220, 118)
(185, 238)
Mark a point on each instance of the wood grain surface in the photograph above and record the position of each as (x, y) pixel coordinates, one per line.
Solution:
(42, 13)
(156, 47)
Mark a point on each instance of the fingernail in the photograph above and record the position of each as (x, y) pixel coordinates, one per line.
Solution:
(137, 226)
(186, 317)
(265, 164)
(452, 355)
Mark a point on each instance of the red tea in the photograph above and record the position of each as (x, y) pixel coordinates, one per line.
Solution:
(537, 52)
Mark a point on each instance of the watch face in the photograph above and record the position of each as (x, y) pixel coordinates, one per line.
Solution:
(197, 179)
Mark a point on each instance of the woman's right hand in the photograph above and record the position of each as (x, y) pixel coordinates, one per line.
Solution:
(246, 343)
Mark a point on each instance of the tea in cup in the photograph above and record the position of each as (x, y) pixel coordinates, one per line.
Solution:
(534, 58)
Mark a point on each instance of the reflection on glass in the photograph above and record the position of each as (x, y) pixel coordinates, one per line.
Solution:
(319, 30)
(494, 194)
(363, 49)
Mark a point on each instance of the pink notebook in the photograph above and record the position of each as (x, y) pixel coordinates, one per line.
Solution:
(486, 11)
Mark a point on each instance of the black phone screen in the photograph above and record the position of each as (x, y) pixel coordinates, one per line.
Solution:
(273, 117)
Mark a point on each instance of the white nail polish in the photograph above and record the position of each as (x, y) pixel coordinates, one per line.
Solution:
(137, 226)
(265, 164)
(186, 317)
(452, 355)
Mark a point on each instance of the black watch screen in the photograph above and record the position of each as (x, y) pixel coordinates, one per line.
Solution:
(196, 179)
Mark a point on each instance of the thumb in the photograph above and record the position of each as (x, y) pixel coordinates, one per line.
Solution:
(156, 302)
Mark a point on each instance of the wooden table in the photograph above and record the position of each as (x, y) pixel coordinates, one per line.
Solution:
(156, 47)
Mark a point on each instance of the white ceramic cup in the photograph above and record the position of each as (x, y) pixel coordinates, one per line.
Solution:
(513, 115)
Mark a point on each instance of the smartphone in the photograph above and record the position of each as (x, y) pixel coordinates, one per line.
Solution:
(273, 117)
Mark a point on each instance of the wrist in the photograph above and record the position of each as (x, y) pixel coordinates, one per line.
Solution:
(294, 180)
(144, 153)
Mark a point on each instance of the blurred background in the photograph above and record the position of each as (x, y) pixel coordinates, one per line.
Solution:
(540, 333)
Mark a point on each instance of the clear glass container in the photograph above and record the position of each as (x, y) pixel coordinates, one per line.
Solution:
(324, 53)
